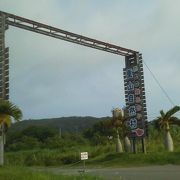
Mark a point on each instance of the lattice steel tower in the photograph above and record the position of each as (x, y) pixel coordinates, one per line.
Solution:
(4, 60)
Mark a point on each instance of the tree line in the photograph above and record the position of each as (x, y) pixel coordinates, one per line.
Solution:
(108, 131)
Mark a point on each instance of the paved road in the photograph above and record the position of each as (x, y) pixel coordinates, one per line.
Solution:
(167, 172)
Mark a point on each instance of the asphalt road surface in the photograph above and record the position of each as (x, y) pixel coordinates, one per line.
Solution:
(166, 172)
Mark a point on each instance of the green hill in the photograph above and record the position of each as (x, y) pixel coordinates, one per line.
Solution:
(67, 124)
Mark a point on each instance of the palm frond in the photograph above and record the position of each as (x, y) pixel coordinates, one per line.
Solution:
(10, 109)
(158, 123)
(171, 112)
(167, 118)
(162, 113)
(175, 120)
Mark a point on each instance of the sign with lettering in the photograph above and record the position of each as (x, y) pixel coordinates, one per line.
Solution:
(129, 73)
(131, 98)
(132, 111)
(84, 155)
(135, 95)
(137, 91)
(130, 86)
(133, 123)
(137, 99)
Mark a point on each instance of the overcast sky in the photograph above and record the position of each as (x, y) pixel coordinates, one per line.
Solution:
(54, 78)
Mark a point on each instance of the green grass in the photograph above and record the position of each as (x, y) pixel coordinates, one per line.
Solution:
(98, 155)
(102, 160)
(140, 159)
(53, 157)
(22, 173)
(104, 156)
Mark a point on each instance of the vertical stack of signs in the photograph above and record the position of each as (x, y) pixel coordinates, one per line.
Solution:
(4, 60)
(136, 112)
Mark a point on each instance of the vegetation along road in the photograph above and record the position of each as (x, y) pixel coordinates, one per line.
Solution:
(165, 172)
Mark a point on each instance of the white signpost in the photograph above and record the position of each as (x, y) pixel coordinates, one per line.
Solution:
(84, 156)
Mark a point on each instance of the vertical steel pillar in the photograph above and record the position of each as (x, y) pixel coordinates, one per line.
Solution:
(143, 145)
(4, 78)
(4, 60)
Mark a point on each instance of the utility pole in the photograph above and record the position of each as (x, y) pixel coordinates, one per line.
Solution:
(60, 132)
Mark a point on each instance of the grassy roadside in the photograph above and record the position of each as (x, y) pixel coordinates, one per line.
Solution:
(23, 173)
(56, 158)
(17, 172)
(140, 159)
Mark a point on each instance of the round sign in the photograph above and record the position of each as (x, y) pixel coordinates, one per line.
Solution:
(133, 123)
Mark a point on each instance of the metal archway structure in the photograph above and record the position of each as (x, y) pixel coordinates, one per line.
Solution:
(133, 72)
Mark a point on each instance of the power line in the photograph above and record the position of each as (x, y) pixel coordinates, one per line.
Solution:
(163, 90)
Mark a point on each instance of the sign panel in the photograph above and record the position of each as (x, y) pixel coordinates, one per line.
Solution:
(135, 95)
(84, 155)
(133, 123)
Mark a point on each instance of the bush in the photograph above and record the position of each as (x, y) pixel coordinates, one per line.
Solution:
(24, 143)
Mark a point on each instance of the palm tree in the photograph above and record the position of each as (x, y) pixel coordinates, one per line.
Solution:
(117, 122)
(126, 130)
(7, 111)
(164, 122)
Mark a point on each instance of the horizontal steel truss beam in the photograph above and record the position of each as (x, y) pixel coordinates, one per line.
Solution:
(37, 27)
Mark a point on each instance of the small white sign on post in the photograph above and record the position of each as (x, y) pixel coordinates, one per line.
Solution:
(84, 155)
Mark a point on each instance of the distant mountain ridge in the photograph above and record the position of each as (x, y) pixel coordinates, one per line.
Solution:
(66, 124)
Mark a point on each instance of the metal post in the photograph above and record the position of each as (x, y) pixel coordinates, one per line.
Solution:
(1, 146)
(134, 145)
(143, 145)
(84, 165)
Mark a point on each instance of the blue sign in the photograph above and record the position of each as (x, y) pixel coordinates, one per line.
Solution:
(131, 98)
(130, 86)
(129, 73)
(132, 111)
(133, 123)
